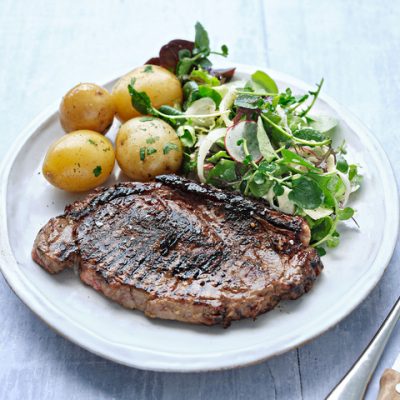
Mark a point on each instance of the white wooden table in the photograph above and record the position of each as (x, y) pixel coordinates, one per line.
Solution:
(48, 46)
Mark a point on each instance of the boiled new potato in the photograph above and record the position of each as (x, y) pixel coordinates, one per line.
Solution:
(147, 147)
(79, 161)
(87, 106)
(162, 86)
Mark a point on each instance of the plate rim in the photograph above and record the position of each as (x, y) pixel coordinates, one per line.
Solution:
(137, 357)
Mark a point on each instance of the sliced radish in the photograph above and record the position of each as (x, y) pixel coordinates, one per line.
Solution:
(244, 130)
(204, 148)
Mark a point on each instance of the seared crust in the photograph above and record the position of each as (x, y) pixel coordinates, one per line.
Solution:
(54, 247)
(183, 251)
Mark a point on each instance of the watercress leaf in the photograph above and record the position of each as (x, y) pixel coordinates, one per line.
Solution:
(268, 168)
(189, 163)
(204, 63)
(310, 221)
(259, 178)
(188, 88)
(356, 182)
(309, 134)
(333, 242)
(201, 41)
(265, 81)
(224, 50)
(187, 135)
(260, 189)
(264, 143)
(346, 213)
(248, 101)
(341, 164)
(223, 171)
(183, 67)
(184, 53)
(355, 177)
(321, 251)
(286, 98)
(328, 185)
(243, 185)
(190, 93)
(352, 171)
(206, 91)
(289, 157)
(140, 100)
(278, 189)
(306, 193)
(321, 228)
(248, 159)
(336, 187)
(251, 86)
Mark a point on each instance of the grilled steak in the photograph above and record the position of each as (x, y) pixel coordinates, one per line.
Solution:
(179, 250)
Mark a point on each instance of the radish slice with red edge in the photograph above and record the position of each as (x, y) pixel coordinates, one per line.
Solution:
(244, 130)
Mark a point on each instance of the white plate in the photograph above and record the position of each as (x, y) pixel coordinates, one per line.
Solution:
(103, 327)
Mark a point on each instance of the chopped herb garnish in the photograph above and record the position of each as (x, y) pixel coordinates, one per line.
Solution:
(151, 150)
(151, 140)
(142, 153)
(148, 68)
(170, 146)
(92, 142)
(97, 171)
(145, 119)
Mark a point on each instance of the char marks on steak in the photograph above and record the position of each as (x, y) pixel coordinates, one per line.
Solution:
(179, 250)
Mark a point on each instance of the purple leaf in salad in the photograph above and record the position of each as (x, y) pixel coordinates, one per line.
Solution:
(169, 53)
(223, 74)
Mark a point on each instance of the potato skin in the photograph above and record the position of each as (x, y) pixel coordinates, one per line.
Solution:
(87, 106)
(162, 86)
(147, 147)
(79, 161)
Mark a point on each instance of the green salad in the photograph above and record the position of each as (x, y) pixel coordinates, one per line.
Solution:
(255, 138)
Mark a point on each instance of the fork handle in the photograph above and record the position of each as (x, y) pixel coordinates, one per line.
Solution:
(389, 380)
(354, 384)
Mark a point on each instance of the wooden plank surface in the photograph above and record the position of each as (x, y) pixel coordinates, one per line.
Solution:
(46, 47)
